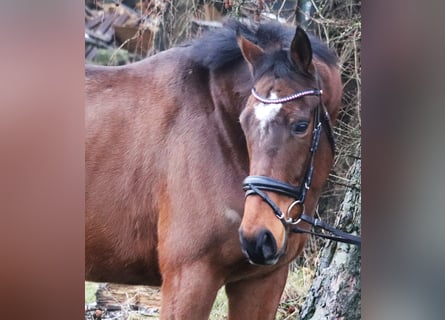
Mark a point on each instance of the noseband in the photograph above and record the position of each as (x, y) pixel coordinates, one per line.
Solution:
(255, 185)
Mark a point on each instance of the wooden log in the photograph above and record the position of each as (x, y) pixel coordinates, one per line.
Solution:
(135, 40)
(111, 294)
(107, 22)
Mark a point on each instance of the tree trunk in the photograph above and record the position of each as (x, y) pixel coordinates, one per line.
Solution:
(335, 292)
(303, 13)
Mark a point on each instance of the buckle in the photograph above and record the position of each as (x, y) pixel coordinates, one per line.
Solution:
(289, 209)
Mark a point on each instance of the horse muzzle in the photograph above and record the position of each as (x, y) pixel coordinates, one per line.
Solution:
(260, 249)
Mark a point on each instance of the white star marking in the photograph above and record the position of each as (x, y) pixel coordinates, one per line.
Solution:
(266, 112)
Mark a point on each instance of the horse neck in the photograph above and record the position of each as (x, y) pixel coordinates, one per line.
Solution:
(230, 90)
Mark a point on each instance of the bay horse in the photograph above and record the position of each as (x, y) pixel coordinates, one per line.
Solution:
(172, 141)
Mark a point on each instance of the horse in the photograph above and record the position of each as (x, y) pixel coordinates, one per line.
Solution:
(202, 160)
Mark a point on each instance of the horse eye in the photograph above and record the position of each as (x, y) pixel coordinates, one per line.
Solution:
(299, 127)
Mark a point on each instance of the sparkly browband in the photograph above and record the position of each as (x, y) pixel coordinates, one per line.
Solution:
(311, 92)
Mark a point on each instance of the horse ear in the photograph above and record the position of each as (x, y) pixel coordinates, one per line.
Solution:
(251, 52)
(301, 50)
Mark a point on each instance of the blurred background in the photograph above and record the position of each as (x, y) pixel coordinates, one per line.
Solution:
(42, 157)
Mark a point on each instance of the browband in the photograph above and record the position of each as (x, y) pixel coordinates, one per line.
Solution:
(310, 92)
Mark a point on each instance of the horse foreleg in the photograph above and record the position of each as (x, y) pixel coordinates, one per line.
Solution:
(256, 298)
(188, 292)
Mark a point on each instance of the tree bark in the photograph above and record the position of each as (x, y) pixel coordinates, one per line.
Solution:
(336, 290)
(303, 13)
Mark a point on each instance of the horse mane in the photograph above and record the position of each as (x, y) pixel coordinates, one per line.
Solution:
(219, 48)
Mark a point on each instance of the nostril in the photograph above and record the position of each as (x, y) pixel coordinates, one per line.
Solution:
(260, 249)
(267, 244)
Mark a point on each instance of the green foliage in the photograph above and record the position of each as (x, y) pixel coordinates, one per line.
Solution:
(220, 306)
(111, 57)
(90, 292)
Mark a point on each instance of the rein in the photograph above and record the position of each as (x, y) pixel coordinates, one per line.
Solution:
(255, 185)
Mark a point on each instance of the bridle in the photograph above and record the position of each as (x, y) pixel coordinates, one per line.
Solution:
(255, 185)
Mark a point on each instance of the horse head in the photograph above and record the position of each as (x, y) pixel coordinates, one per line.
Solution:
(290, 145)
